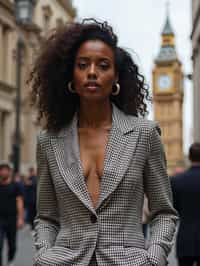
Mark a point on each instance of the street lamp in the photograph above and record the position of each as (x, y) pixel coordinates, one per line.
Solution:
(24, 11)
(23, 16)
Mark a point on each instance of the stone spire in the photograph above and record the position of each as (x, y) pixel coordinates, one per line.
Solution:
(167, 50)
(167, 30)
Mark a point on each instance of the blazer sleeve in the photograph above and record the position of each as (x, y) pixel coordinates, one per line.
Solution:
(158, 190)
(47, 218)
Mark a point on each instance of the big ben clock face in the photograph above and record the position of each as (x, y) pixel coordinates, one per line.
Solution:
(164, 82)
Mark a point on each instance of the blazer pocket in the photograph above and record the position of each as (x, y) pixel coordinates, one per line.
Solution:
(137, 256)
(39, 251)
(63, 242)
(56, 255)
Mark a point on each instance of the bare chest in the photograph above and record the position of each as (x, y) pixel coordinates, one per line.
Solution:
(93, 145)
(92, 151)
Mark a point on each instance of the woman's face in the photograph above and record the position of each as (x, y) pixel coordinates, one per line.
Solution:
(94, 70)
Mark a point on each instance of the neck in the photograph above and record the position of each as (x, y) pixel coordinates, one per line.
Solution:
(195, 164)
(95, 115)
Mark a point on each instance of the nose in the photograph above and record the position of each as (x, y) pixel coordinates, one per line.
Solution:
(92, 73)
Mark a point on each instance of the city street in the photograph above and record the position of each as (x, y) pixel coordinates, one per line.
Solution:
(25, 250)
(99, 104)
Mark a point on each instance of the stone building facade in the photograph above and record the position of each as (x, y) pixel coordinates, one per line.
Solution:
(47, 14)
(195, 36)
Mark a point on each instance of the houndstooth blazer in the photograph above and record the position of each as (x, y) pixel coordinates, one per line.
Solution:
(69, 230)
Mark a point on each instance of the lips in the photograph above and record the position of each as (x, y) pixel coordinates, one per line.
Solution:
(92, 85)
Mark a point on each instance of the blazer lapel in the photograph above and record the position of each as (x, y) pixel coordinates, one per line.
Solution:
(119, 152)
(66, 149)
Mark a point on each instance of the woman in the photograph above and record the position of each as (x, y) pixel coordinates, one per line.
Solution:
(96, 158)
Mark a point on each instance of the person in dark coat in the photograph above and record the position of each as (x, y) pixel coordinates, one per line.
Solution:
(30, 196)
(11, 211)
(186, 194)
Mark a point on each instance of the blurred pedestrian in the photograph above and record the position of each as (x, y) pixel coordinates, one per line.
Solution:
(30, 196)
(11, 211)
(19, 179)
(186, 193)
(178, 170)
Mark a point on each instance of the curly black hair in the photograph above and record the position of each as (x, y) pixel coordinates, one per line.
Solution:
(53, 69)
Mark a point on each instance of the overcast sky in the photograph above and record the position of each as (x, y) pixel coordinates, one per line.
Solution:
(138, 24)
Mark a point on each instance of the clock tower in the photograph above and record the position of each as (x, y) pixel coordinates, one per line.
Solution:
(168, 97)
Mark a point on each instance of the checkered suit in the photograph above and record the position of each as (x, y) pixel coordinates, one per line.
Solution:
(69, 230)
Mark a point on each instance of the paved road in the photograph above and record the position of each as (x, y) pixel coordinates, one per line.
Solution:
(25, 250)
(172, 259)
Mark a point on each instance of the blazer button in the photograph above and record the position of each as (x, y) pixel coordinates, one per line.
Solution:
(93, 218)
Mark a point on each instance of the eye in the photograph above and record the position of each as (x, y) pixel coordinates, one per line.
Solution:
(82, 65)
(104, 65)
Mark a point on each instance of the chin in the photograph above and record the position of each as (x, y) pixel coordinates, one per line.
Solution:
(97, 99)
(94, 96)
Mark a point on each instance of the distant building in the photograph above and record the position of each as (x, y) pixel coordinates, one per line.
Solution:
(47, 14)
(168, 97)
(195, 36)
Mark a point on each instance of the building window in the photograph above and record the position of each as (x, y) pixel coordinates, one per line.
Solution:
(2, 135)
(5, 46)
(59, 22)
(47, 14)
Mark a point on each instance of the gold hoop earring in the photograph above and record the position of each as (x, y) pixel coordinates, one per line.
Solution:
(116, 92)
(70, 88)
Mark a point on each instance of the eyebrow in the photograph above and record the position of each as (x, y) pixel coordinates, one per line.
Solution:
(87, 58)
